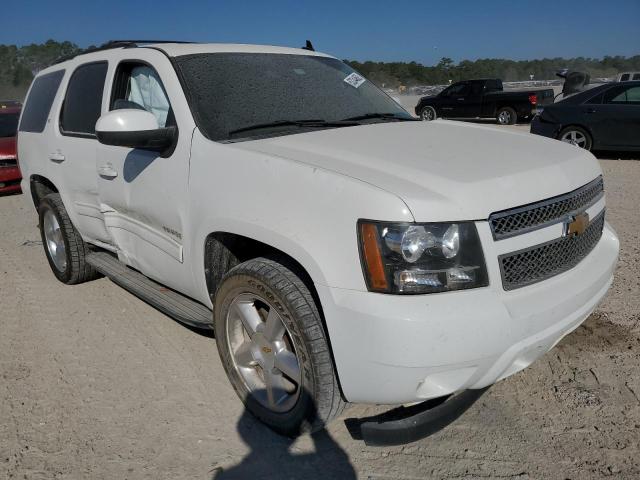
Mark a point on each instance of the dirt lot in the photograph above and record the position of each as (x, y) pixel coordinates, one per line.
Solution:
(96, 384)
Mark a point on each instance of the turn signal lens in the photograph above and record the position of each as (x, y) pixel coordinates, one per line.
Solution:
(372, 257)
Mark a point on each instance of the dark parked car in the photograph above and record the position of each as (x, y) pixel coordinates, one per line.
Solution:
(602, 118)
(9, 172)
(483, 99)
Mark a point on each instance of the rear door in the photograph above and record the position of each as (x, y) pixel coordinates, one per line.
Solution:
(72, 152)
(619, 117)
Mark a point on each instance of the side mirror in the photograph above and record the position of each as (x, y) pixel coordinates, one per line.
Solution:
(134, 129)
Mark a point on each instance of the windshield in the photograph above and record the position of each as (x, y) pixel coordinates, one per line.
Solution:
(231, 93)
(8, 124)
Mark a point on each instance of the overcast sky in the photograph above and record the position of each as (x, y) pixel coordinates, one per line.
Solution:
(360, 30)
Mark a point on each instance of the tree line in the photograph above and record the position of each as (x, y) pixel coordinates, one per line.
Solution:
(18, 65)
(394, 74)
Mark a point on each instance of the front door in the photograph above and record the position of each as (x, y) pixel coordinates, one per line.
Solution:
(454, 101)
(143, 194)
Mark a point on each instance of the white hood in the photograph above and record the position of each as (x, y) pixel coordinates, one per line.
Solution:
(443, 170)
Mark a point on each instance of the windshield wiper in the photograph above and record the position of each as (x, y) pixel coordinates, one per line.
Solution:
(367, 116)
(294, 123)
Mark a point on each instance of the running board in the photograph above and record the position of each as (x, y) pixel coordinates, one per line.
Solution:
(168, 301)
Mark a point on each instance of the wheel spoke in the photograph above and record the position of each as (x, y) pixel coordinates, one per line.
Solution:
(274, 328)
(249, 316)
(244, 355)
(276, 391)
(287, 363)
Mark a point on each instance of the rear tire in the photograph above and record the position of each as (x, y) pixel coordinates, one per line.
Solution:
(252, 299)
(506, 116)
(63, 245)
(576, 136)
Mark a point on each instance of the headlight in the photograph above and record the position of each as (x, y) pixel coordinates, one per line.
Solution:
(421, 257)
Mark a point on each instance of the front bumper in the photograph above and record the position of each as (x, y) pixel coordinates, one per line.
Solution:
(10, 178)
(393, 349)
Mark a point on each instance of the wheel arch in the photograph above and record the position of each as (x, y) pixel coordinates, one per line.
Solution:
(224, 250)
(40, 187)
(579, 125)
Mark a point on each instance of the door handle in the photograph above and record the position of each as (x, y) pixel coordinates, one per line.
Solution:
(56, 157)
(107, 171)
(461, 99)
(591, 110)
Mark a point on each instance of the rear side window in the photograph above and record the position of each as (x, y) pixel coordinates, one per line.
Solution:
(623, 95)
(83, 101)
(39, 101)
(636, 76)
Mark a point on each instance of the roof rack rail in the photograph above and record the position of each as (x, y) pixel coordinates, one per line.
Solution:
(114, 44)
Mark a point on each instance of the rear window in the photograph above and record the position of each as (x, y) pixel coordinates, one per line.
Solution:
(39, 101)
(83, 101)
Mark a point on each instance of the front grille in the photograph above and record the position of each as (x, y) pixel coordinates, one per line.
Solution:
(8, 162)
(537, 263)
(541, 214)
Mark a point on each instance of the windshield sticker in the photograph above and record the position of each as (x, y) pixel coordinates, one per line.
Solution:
(354, 80)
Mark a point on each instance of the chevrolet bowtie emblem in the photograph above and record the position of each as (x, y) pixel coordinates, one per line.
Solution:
(576, 225)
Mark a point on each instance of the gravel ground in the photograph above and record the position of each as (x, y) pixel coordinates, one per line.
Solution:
(96, 384)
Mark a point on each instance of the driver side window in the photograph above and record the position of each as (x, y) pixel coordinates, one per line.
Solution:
(458, 90)
(138, 86)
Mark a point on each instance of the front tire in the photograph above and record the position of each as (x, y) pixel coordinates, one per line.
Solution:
(63, 245)
(506, 116)
(272, 344)
(576, 136)
(428, 114)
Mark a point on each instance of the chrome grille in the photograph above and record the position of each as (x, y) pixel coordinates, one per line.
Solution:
(537, 263)
(541, 214)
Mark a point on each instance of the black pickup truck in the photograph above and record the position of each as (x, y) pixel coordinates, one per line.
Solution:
(483, 99)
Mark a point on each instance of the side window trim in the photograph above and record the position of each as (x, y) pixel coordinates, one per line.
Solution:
(68, 133)
(116, 89)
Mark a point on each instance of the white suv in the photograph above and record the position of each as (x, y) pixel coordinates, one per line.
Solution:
(341, 250)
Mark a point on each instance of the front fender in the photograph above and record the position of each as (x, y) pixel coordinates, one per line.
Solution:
(307, 212)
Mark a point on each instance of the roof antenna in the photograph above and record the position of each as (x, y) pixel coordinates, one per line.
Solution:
(309, 46)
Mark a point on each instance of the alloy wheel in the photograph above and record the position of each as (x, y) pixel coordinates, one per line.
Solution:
(263, 353)
(54, 240)
(575, 137)
(428, 114)
(504, 117)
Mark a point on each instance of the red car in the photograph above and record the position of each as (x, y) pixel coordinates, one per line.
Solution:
(10, 175)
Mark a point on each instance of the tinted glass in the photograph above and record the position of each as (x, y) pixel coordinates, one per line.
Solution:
(477, 88)
(623, 95)
(633, 95)
(39, 101)
(624, 77)
(82, 103)
(231, 91)
(636, 76)
(459, 89)
(8, 124)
